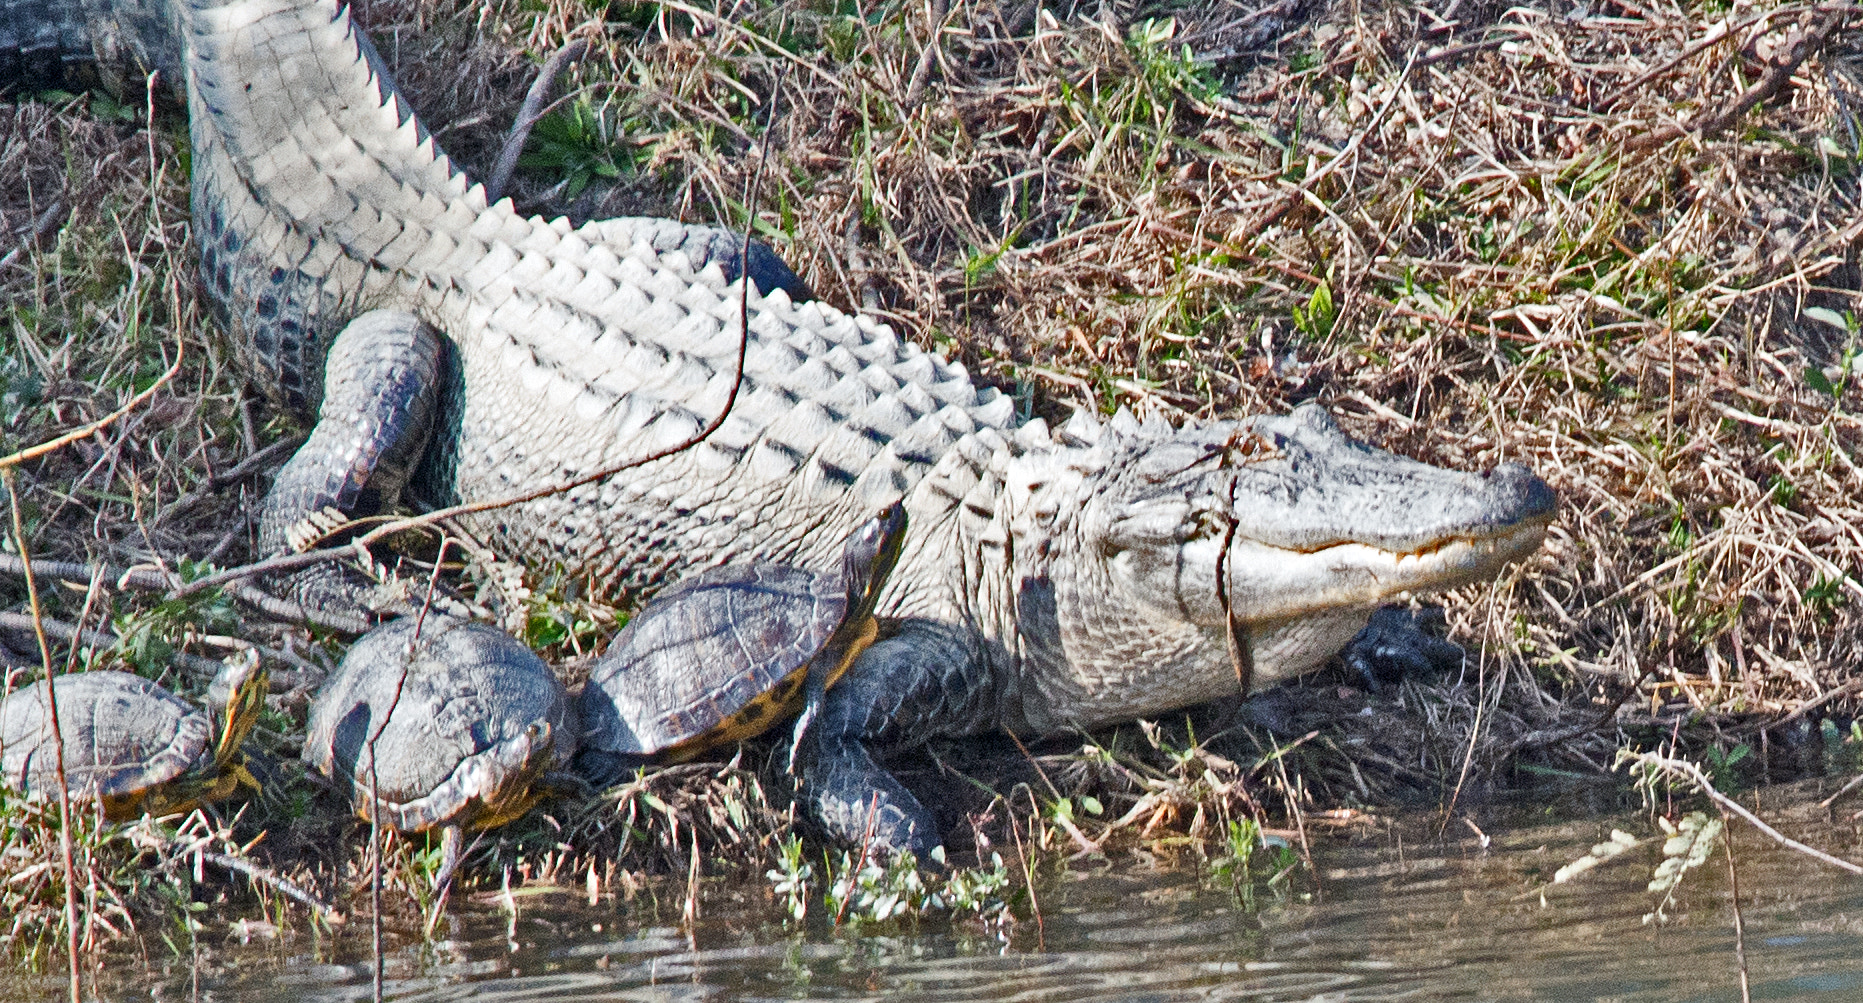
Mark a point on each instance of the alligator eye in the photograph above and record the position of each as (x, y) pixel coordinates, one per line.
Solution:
(1252, 447)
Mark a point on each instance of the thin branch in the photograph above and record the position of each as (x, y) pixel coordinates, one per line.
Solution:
(1798, 47)
(530, 112)
(205, 667)
(34, 452)
(269, 878)
(1692, 773)
(250, 465)
(58, 744)
(140, 579)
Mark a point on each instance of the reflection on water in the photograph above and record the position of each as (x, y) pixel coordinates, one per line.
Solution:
(1415, 918)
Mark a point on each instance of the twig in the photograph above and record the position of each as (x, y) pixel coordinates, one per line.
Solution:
(34, 452)
(1028, 874)
(1850, 688)
(46, 223)
(1692, 773)
(249, 465)
(1694, 48)
(1740, 929)
(1300, 821)
(1855, 782)
(921, 74)
(1799, 47)
(1080, 838)
(104, 639)
(141, 579)
(265, 876)
(853, 877)
(530, 112)
(690, 914)
(58, 744)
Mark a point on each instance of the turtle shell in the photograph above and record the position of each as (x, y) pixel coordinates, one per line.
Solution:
(124, 735)
(465, 721)
(719, 657)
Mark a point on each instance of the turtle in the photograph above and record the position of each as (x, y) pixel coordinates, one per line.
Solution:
(731, 651)
(129, 743)
(465, 723)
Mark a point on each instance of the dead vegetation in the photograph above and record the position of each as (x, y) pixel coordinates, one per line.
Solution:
(1618, 245)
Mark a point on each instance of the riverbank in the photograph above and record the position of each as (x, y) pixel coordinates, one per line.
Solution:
(1600, 243)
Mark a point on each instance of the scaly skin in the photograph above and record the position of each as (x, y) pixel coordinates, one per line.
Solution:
(1051, 579)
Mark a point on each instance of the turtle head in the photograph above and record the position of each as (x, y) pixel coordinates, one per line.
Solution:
(237, 696)
(868, 558)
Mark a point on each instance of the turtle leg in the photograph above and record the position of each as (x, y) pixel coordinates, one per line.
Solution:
(899, 692)
(815, 693)
(381, 388)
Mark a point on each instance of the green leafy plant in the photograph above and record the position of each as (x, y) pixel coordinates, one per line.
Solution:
(791, 876)
(578, 144)
(1316, 320)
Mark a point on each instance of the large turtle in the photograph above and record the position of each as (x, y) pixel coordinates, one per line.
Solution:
(727, 653)
(129, 743)
(464, 722)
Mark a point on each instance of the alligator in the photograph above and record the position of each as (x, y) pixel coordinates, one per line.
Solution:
(1054, 578)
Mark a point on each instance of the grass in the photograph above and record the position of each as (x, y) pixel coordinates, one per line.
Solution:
(1462, 242)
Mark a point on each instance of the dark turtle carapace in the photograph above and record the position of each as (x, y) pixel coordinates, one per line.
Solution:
(129, 743)
(727, 653)
(462, 719)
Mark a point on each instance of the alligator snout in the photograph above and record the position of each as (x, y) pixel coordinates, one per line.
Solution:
(1513, 494)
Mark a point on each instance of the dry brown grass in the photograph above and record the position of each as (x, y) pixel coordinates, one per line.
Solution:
(1475, 237)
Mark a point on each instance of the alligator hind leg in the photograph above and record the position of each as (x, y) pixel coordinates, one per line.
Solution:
(381, 388)
(899, 692)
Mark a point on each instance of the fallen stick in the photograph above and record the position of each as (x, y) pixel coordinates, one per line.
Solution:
(283, 886)
(1798, 47)
(1692, 773)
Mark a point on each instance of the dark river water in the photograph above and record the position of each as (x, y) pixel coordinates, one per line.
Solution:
(1394, 912)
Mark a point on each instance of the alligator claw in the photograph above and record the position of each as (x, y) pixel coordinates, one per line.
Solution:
(1399, 643)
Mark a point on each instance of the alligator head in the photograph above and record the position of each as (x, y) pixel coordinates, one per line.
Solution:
(1241, 554)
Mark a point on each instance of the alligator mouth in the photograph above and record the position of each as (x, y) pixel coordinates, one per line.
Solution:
(1268, 582)
(1458, 560)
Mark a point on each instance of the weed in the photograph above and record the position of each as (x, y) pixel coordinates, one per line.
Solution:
(578, 144)
(790, 878)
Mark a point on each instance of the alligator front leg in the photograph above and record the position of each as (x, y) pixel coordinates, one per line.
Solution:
(900, 691)
(1398, 643)
(381, 385)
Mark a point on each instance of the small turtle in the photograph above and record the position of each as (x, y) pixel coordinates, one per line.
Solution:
(728, 653)
(129, 743)
(464, 722)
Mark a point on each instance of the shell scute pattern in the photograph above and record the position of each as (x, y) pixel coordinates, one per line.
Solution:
(473, 720)
(724, 654)
(122, 733)
(706, 651)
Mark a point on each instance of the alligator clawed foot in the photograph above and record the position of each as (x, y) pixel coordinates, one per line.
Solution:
(1398, 643)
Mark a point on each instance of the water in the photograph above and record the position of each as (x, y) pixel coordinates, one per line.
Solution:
(1416, 918)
